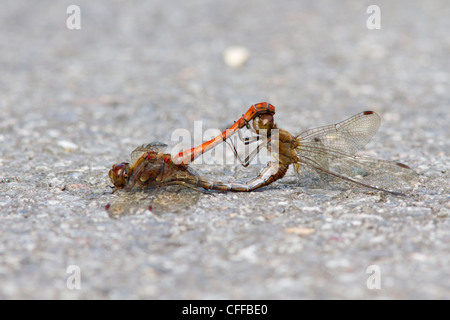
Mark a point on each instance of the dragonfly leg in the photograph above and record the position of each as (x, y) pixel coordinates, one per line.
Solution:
(248, 140)
(154, 192)
(247, 159)
(236, 154)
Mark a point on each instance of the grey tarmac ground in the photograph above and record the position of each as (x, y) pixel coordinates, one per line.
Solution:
(74, 102)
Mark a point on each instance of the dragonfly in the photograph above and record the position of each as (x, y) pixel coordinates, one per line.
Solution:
(258, 110)
(327, 151)
(151, 167)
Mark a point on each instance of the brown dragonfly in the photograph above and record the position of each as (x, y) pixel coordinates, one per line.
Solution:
(151, 167)
(325, 152)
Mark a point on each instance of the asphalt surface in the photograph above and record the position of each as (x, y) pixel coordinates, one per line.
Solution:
(74, 102)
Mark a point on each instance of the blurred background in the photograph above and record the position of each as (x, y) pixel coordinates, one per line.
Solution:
(137, 70)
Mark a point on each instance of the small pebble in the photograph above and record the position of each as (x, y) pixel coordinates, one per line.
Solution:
(67, 145)
(235, 57)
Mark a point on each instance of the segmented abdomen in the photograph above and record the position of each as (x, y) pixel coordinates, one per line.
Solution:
(272, 172)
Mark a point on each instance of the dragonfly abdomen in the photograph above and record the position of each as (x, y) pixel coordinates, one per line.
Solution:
(272, 172)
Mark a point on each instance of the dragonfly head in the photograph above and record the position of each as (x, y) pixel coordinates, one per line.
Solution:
(119, 174)
(264, 122)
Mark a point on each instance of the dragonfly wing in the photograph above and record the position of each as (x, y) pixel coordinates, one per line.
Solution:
(155, 146)
(145, 174)
(383, 174)
(347, 136)
(330, 151)
(368, 172)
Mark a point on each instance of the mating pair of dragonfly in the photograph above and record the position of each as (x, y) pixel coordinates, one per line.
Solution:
(327, 151)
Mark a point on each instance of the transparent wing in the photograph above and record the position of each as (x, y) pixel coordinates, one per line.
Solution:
(348, 136)
(373, 173)
(330, 150)
(155, 146)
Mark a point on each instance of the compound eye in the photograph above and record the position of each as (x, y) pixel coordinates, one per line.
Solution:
(263, 122)
(266, 120)
(120, 171)
(119, 174)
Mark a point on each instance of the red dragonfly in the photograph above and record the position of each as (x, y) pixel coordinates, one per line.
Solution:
(325, 152)
(262, 109)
